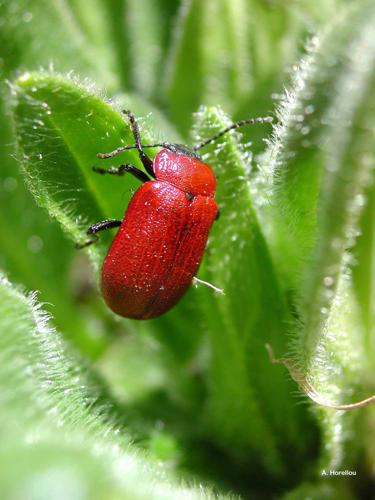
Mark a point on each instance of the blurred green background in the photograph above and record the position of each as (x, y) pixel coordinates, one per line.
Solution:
(189, 405)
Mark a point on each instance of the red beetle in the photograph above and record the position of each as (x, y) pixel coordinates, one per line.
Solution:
(157, 251)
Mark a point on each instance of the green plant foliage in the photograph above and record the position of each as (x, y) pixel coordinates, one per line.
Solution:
(238, 339)
(57, 169)
(323, 166)
(114, 408)
(69, 437)
(211, 60)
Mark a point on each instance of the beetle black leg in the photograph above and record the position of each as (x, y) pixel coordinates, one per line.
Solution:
(103, 225)
(95, 228)
(217, 214)
(146, 160)
(123, 169)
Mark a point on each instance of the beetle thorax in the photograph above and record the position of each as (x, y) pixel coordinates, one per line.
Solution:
(188, 173)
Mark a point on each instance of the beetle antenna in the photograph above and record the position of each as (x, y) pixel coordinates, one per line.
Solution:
(167, 145)
(241, 123)
(116, 151)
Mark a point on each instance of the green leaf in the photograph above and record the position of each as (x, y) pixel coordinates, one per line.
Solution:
(209, 58)
(33, 250)
(60, 127)
(28, 42)
(325, 488)
(323, 160)
(363, 274)
(149, 28)
(295, 160)
(252, 313)
(75, 445)
(348, 167)
(102, 25)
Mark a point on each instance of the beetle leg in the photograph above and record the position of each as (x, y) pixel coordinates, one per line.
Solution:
(146, 160)
(210, 285)
(87, 243)
(103, 225)
(121, 170)
(95, 228)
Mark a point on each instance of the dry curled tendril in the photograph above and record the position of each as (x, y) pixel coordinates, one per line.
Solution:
(306, 387)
